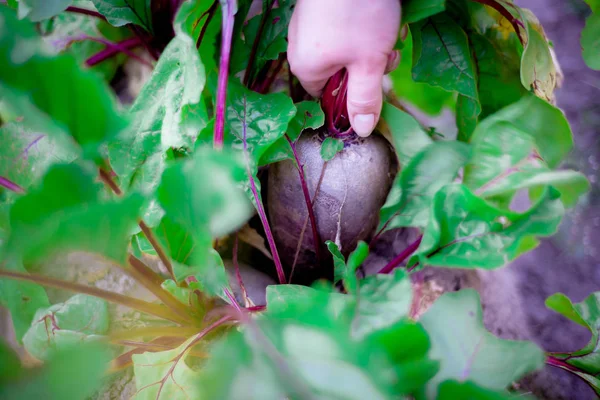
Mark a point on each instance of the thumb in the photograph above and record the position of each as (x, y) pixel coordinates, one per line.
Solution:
(365, 93)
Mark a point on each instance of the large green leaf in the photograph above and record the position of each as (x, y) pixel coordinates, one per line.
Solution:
(168, 113)
(498, 67)
(416, 10)
(38, 10)
(26, 154)
(590, 41)
(303, 348)
(442, 57)
(427, 98)
(165, 374)
(74, 99)
(85, 365)
(80, 319)
(584, 362)
(513, 148)
(409, 202)
(123, 12)
(383, 301)
(467, 351)
(308, 116)
(464, 231)
(408, 136)
(202, 198)
(67, 212)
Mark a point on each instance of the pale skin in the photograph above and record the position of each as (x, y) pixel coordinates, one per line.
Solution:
(328, 35)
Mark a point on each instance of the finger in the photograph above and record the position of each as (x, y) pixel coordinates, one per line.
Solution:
(365, 96)
(393, 61)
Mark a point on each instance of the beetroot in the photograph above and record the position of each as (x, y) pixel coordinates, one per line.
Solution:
(353, 187)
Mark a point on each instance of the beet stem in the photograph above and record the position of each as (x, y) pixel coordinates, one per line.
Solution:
(10, 185)
(227, 32)
(83, 11)
(113, 49)
(260, 208)
(309, 207)
(105, 177)
(400, 258)
(211, 13)
(517, 24)
(237, 270)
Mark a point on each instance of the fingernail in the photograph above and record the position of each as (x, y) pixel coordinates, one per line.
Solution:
(363, 124)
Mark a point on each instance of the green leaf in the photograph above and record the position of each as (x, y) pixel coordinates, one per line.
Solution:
(409, 202)
(466, 232)
(383, 300)
(308, 116)
(583, 362)
(202, 198)
(85, 364)
(513, 149)
(165, 374)
(590, 41)
(38, 10)
(594, 5)
(330, 147)
(69, 32)
(429, 99)
(467, 351)
(80, 319)
(67, 213)
(123, 12)
(443, 58)
(77, 101)
(416, 10)
(408, 136)
(10, 363)
(273, 351)
(498, 67)
(273, 38)
(537, 67)
(451, 390)
(339, 262)
(262, 119)
(168, 113)
(22, 299)
(26, 154)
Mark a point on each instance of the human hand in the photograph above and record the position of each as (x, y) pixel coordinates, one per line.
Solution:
(328, 35)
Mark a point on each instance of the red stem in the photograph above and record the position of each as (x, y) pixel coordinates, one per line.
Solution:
(309, 206)
(10, 185)
(119, 48)
(237, 269)
(112, 51)
(79, 10)
(261, 210)
(210, 12)
(334, 102)
(402, 256)
(228, 21)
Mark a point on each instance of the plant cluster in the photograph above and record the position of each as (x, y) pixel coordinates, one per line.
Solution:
(181, 171)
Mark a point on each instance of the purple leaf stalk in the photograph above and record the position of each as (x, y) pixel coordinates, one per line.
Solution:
(309, 204)
(260, 208)
(229, 8)
(10, 185)
(400, 258)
